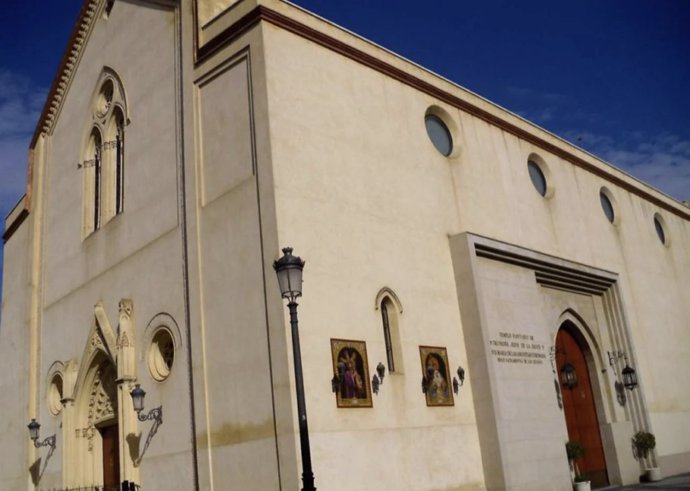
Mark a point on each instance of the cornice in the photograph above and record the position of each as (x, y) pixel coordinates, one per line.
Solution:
(549, 271)
(262, 13)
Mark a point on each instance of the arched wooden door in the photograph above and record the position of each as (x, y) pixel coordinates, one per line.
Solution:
(580, 412)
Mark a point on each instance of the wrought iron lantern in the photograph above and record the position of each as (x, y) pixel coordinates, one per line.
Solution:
(138, 394)
(629, 377)
(289, 271)
(338, 378)
(628, 373)
(460, 381)
(156, 415)
(34, 430)
(568, 375)
(377, 380)
(426, 380)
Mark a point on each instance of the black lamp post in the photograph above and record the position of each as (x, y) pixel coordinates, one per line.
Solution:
(289, 271)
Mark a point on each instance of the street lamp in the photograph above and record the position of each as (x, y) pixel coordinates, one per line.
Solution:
(289, 271)
(34, 428)
(156, 415)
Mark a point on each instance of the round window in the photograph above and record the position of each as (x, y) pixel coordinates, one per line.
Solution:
(55, 395)
(161, 355)
(607, 206)
(537, 177)
(439, 134)
(105, 98)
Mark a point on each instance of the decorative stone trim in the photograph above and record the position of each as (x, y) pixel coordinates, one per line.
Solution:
(70, 60)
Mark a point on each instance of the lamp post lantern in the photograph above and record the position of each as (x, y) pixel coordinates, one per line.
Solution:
(289, 271)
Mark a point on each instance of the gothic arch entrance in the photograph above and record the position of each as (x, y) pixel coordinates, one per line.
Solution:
(578, 404)
(97, 413)
(98, 419)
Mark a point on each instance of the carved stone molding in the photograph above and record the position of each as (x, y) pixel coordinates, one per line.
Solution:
(125, 307)
(102, 400)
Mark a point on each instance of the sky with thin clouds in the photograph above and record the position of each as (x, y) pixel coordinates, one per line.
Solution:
(611, 76)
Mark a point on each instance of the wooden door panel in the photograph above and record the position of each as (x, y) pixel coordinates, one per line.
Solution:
(580, 411)
(111, 457)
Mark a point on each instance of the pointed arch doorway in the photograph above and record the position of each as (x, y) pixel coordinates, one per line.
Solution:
(98, 448)
(578, 404)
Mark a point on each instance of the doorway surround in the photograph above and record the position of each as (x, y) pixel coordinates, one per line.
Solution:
(512, 302)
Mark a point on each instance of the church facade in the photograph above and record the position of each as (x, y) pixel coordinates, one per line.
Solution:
(477, 291)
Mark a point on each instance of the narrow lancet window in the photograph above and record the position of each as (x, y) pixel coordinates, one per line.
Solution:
(97, 181)
(119, 166)
(387, 335)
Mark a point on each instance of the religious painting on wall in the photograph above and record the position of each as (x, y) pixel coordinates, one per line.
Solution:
(351, 369)
(435, 376)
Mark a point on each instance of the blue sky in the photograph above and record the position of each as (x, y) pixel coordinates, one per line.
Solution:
(612, 76)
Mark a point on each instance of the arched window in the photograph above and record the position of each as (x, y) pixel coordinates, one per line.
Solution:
(385, 306)
(389, 305)
(104, 157)
(119, 144)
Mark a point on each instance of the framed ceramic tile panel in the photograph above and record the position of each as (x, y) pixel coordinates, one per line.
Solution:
(436, 376)
(351, 365)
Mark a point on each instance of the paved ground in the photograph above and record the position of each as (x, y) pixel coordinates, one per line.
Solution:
(681, 481)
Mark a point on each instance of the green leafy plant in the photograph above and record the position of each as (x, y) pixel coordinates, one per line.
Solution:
(575, 451)
(643, 441)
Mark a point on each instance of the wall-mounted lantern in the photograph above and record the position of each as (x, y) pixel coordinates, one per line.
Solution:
(156, 415)
(378, 378)
(628, 373)
(460, 381)
(338, 378)
(629, 377)
(34, 429)
(426, 380)
(569, 375)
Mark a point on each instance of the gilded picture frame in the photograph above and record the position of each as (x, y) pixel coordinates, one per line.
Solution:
(436, 376)
(351, 367)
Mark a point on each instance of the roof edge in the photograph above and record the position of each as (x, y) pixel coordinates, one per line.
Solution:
(65, 70)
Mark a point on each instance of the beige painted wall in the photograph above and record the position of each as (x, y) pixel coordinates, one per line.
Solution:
(14, 360)
(362, 195)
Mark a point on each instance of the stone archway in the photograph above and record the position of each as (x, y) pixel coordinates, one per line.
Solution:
(98, 417)
(579, 408)
(103, 423)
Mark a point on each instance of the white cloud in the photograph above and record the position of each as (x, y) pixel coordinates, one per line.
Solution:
(662, 161)
(20, 104)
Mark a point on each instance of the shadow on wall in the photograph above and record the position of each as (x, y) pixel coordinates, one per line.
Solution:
(35, 469)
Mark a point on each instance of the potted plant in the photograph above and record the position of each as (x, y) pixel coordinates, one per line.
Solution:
(575, 451)
(644, 442)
